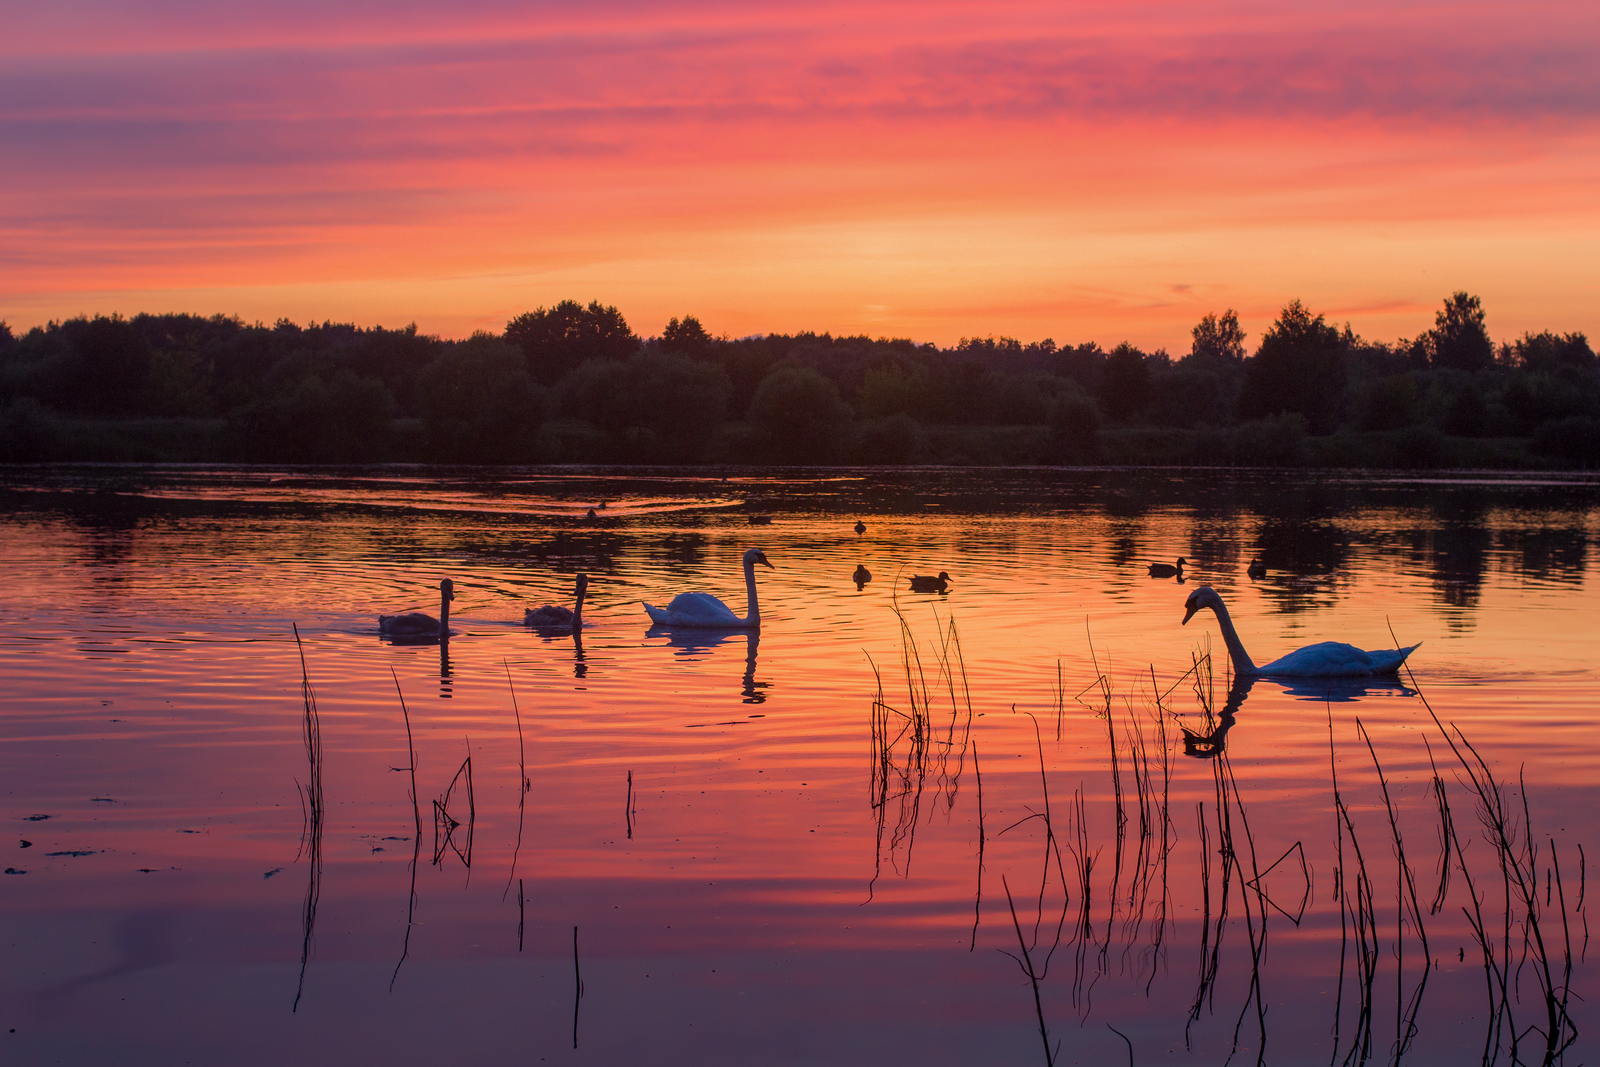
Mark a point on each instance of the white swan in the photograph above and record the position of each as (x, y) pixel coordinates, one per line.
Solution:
(416, 624)
(705, 610)
(1326, 659)
(552, 615)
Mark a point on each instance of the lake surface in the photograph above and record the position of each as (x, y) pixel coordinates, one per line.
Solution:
(797, 847)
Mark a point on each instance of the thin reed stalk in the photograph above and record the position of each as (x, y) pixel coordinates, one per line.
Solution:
(311, 840)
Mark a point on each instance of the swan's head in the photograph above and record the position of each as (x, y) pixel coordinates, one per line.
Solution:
(448, 588)
(754, 556)
(583, 583)
(1204, 597)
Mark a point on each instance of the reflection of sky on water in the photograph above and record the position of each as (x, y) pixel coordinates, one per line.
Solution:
(147, 659)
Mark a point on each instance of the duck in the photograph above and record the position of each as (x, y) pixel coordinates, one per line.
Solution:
(552, 616)
(1257, 570)
(922, 583)
(415, 624)
(1168, 570)
(1326, 659)
(861, 576)
(861, 527)
(705, 610)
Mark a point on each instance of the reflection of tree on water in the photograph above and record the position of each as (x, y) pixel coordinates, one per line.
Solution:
(695, 643)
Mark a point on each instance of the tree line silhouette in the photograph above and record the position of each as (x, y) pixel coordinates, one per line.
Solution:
(575, 384)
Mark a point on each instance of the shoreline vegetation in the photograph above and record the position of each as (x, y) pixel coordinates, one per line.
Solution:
(575, 384)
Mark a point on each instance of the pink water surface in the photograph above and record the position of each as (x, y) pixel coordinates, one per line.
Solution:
(774, 902)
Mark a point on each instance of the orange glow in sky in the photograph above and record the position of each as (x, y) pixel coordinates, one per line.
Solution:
(931, 170)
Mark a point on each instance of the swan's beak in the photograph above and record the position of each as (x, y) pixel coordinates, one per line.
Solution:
(1189, 613)
(763, 561)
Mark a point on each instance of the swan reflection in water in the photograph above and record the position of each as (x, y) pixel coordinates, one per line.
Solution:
(1317, 690)
(551, 634)
(696, 643)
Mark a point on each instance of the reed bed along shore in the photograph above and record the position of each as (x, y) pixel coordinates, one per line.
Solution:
(1153, 873)
(1114, 877)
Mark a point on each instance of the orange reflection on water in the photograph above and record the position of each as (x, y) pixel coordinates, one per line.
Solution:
(787, 862)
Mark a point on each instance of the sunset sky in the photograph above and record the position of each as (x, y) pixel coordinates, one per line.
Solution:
(931, 170)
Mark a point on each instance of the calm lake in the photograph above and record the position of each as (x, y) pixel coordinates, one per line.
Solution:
(795, 847)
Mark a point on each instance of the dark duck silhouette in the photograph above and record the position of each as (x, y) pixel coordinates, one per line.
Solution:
(1168, 570)
(923, 583)
(861, 576)
(1257, 570)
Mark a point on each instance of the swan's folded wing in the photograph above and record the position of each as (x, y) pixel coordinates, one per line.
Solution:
(1335, 659)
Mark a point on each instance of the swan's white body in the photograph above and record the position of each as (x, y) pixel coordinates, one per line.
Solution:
(705, 610)
(1326, 659)
(553, 616)
(417, 624)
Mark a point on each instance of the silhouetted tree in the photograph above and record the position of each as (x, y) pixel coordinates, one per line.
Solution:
(345, 419)
(686, 338)
(1551, 352)
(1299, 369)
(1125, 383)
(1458, 338)
(1218, 340)
(480, 404)
(799, 415)
(107, 368)
(897, 387)
(557, 340)
(653, 407)
(896, 439)
(1074, 427)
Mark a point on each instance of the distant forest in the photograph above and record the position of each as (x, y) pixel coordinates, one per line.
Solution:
(575, 384)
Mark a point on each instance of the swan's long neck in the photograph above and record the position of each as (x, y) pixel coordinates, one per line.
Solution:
(444, 614)
(753, 617)
(1243, 667)
(577, 608)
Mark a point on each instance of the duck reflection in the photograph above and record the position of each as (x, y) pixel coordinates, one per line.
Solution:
(696, 642)
(1319, 690)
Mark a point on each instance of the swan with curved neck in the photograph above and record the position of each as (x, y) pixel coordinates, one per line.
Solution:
(703, 609)
(553, 616)
(417, 624)
(1326, 659)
